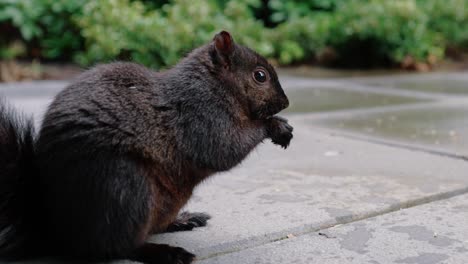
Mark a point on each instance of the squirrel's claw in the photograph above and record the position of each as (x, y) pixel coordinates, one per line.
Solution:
(187, 221)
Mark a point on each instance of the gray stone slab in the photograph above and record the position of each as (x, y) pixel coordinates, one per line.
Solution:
(440, 86)
(446, 83)
(315, 99)
(31, 98)
(31, 89)
(442, 127)
(427, 234)
(319, 72)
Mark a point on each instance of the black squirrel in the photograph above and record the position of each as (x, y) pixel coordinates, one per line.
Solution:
(121, 149)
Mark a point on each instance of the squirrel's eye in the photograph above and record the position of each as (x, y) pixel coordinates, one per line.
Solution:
(260, 76)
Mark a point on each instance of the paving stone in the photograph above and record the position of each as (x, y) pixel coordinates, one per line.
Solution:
(31, 98)
(316, 99)
(448, 83)
(427, 234)
(443, 127)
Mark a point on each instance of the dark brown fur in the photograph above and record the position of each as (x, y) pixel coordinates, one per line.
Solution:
(122, 148)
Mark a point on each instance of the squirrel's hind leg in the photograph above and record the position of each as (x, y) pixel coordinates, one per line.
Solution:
(187, 221)
(161, 254)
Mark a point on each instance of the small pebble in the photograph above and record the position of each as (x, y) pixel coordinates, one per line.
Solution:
(331, 153)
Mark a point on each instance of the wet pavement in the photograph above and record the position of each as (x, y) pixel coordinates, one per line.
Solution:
(435, 126)
(377, 173)
(315, 99)
(426, 234)
(448, 84)
(428, 111)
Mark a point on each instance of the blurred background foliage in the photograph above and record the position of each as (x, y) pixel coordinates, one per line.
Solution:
(349, 34)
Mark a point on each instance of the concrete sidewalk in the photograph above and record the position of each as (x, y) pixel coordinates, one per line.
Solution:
(377, 172)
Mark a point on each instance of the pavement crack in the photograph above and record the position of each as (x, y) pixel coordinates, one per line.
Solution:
(404, 146)
(325, 235)
(257, 241)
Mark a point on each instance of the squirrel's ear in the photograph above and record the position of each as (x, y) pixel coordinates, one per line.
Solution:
(224, 45)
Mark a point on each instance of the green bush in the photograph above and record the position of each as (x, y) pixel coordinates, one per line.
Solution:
(394, 29)
(159, 37)
(45, 25)
(282, 11)
(449, 19)
(362, 33)
(381, 30)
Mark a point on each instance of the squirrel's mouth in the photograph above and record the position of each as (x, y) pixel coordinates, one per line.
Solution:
(269, 111)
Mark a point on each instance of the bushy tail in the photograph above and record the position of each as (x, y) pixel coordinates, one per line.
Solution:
(16, 175)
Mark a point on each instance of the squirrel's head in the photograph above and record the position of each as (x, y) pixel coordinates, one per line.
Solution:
(252, 78)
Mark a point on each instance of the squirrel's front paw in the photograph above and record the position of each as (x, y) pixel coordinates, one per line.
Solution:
(280, 131)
